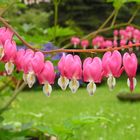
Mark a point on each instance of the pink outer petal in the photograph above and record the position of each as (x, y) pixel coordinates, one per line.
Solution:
(105, 63)
(115, 63)
(26, 60)
(47, 74)
(5, 33)
(130, 63)
(38, 62)
(70, 66)
(19, 56)
(9, 51)
(92, 70)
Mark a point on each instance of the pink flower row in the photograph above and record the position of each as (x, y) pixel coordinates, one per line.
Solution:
(94, 69)
(70, 66)
(121, 37)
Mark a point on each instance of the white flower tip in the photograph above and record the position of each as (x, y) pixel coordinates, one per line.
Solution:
(30, 79)
(74, 85)
(63, 82)
(111, 82)
(9, 67)
(134, 82)
(91, 88)
(47, 89)
(1, 52)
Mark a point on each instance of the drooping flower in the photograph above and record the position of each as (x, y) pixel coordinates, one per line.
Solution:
(97, 42)
(19, 57)
(92, 73)
(84, 44)
(26, 67)
(70, 67)
(9, 55)
(130, 64)
(5, 34)
(75, 41)
(112, 67)
(46, 77)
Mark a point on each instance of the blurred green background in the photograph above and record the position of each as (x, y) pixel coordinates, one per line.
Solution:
(65, 115)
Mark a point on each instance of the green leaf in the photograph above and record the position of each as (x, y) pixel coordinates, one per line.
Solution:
(60, 32)
(118, 3)
(17, 75)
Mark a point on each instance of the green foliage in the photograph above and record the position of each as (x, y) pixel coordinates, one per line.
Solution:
(60, 32)
(67, 130)
(117, 3)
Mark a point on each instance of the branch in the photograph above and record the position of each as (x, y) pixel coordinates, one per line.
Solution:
(114, 18)
(20, 38)
(134, 14)
(15, 94)
(93, 50)
(99, 31)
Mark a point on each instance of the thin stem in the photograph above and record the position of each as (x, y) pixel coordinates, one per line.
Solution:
(134, 15)
(94, 50)
(20, 38)
(57, 50)
(101, 27)
(99, 31)
(114, 18)
(15, 94)
(56, 3)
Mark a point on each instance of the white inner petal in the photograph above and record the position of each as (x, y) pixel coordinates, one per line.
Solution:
(63, 82)
(47, 89)
(1, 52)
(134, 82)
(30, 79)
(74, 85)
(25, 78)
(91, 87)
(9, 67)
(111, 82)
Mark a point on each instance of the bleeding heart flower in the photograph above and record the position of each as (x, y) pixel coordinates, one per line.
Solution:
(46, 77)
(130, 63)
(5, 34)
(75, 41)
(9, 55)
(84, 44)
(92, 73)
(112, 67)
(70, 67)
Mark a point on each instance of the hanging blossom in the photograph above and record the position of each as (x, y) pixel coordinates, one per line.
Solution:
(92, 73)
(33, 65)
(47, 77)
(120, 38)
(85, 43)
(70, 68)
(112, 67)
(130, 63)
(7, 49)
(29, 2)
(75, 41)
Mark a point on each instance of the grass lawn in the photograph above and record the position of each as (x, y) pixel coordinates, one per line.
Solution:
(124, 117)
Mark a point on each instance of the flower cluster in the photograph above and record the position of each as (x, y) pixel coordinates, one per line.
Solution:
(71, 68)
(31, 63)
(94, 69)
(121, 37)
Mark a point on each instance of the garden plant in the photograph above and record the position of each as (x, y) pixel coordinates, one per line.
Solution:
(88, 59)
